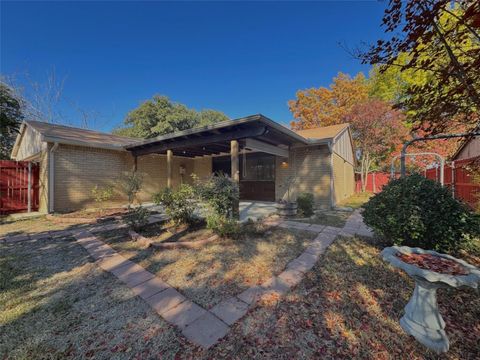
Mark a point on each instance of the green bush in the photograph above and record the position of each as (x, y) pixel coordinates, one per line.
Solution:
(305, 203)
(415, 211)
(137, 218)
(220, 193)
(223, 226)
(179, 204)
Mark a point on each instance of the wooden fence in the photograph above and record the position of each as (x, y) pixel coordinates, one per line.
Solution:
(459, 179)
(17, 180)
(375, 182)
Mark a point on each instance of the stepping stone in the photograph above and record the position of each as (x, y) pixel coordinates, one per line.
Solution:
(150, 288)
(291, 277)
(316, 248)
(230, 310)
(331, 230)
(17, 238)
(275, 285)
(183, 314)
(316, 227)
(303, 263)
(102, 251)
(206, 330)
(113, 262)
(165, 300)
(365, 232)
(251, 295)
(41, 236)
(132, 274)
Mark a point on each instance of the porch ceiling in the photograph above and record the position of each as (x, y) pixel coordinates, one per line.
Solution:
(215, 139)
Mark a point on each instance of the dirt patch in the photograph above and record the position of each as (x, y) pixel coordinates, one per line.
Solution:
(327, 218)
(222, 268)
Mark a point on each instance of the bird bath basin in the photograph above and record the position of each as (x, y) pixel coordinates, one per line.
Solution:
(430, 270)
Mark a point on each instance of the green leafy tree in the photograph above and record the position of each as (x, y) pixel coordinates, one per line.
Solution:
(11, 116)
(159, 116)
(438, 41)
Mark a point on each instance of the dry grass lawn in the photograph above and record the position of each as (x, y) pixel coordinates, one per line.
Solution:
(221, 269)
(55, 303)
(328, 218)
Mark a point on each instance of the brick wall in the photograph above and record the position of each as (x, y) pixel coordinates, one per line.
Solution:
(78, 169)
(312, 168)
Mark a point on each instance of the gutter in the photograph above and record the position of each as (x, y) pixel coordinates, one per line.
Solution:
(51, 177)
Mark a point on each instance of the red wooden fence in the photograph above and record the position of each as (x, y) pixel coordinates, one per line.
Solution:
(375, 182)
(459, 179)
(14, 186)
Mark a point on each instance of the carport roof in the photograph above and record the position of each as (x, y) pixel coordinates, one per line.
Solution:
(213, 139)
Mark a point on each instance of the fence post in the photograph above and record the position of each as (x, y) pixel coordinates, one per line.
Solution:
(453, 179)
(29, 195)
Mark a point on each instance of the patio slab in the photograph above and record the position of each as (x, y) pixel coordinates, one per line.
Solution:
(149, 288)
(291, 277)
(132, 274)
(230, 310)
(165, 300)
(183, 314)
(250, 295)
(113, 262)
(206, 330)
(303, 263)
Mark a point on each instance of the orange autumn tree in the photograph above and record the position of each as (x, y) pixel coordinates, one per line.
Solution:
(377, 130)
(322, 106)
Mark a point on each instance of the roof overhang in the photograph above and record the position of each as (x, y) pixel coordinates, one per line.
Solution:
(215, 139)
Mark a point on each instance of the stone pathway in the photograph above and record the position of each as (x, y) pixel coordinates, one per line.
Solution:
(206, 327)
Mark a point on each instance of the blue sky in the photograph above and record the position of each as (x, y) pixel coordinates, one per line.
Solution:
(240, 58)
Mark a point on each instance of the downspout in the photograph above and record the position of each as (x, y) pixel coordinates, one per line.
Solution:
(51, 178)
(332, 188)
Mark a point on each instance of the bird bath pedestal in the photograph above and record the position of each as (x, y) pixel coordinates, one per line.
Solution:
(422, 319)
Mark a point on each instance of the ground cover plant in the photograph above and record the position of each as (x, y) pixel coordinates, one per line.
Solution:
(219, 269)
(419, 212)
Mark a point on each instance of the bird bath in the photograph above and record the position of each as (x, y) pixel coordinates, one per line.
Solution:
(431, 271)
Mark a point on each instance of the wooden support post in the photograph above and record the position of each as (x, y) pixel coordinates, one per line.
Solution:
(169, 168)
(135, 165)
(235, 173)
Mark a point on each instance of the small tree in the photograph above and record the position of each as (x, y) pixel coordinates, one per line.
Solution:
(377, 131)
(132, 183)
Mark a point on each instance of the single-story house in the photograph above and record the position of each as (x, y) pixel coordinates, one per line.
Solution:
(256, 151)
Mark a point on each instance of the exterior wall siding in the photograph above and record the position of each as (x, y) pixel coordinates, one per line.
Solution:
(471, 150)
(78, 169)
(312, 171)
(30, 144)
(343, 178)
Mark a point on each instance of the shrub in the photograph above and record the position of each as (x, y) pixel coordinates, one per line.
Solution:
(131, 183)
(137, 218)
(220, 193)
(101, 194)
(305, 203)
(415, 211)
(179, 204)
(223, 226)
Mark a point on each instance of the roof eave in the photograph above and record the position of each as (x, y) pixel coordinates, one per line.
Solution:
(116, 147)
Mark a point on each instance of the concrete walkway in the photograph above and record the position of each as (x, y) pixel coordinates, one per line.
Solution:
(206, 327)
